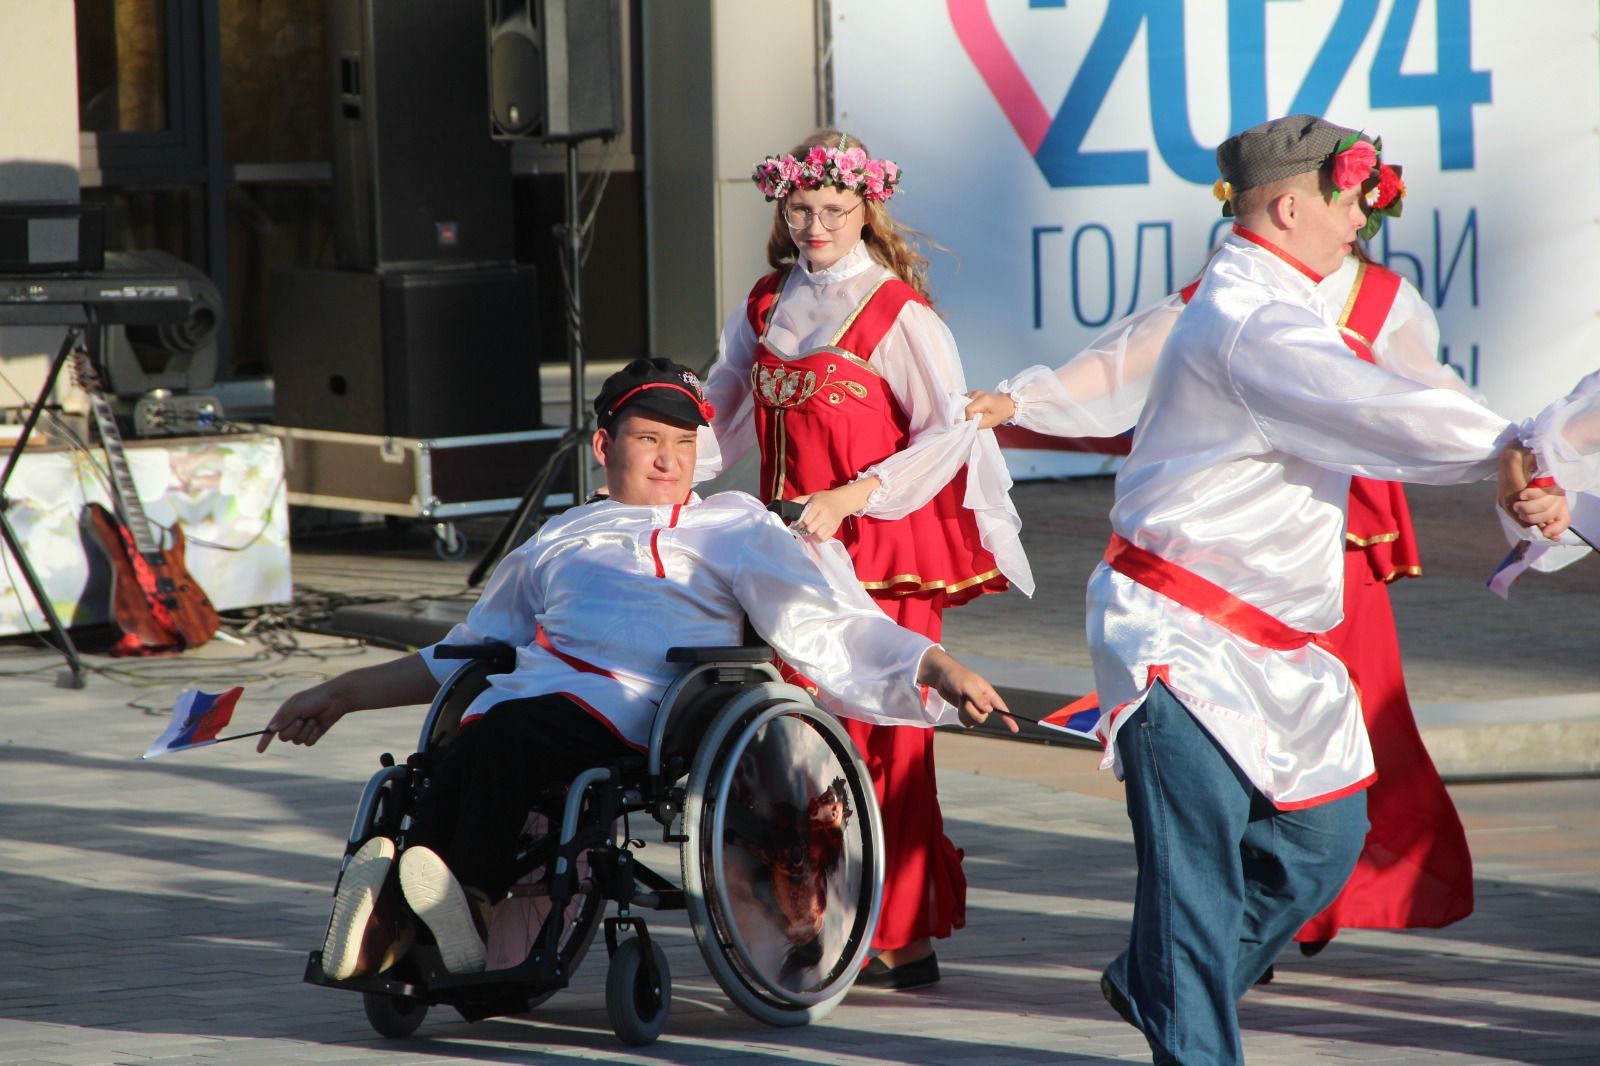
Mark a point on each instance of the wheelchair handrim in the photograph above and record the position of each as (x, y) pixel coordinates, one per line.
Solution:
(869, 892)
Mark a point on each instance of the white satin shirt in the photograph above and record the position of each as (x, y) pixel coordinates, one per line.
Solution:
(1257, 415)
(616, 586)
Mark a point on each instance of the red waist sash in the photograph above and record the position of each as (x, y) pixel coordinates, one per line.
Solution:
(1206, 598)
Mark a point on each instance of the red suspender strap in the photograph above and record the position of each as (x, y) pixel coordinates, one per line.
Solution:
(1188, 291)
(761, 299)
(543, 640)
(863, 333)
(1371, 297)
(1203, 597)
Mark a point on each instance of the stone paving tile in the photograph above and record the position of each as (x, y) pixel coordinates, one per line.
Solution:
(160, 912)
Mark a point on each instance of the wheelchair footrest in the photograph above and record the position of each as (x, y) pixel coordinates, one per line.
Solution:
(377, 983)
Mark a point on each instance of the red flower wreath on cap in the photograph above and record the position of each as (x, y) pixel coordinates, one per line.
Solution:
(1383, 190)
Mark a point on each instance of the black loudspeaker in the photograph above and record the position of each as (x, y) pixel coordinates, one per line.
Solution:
(426, 353)
(555, 69)
(416, 177)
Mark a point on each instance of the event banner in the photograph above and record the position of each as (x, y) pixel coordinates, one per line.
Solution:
(1064, 152)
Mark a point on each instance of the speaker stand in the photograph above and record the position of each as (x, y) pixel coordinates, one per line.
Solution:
(577, 436)
(572, 278)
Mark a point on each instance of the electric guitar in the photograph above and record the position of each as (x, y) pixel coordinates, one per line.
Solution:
(156, 604)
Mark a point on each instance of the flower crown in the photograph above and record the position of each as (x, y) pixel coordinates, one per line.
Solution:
(1357, 164)
(847, 168)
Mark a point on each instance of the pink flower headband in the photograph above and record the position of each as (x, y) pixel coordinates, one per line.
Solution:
(846, 168)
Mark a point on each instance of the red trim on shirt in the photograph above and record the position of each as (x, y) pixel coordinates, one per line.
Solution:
(603, 720)
(655, 538)
(1327, 797)
(1256, 238)
(541, 638)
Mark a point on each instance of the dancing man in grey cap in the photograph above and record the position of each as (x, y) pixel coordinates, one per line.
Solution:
(1233, 722)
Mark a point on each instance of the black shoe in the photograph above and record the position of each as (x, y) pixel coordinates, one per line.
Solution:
(1266, 978)
(1308, 948)
(1118, 1001)
(917, 974)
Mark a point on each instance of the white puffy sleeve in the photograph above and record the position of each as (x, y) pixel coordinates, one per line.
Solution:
(922, 370)
(1100, 391)
(1409, 344)
(507, 612)
(1566, 437)
(727, 388)
(804, 599)
(1348, 415)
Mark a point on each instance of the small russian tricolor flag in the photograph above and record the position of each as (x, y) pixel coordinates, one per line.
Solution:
(197, 718)
(1077, 718)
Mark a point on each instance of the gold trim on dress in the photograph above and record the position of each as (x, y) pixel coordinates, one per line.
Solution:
(1402, 571)
(929, 586)
(827, 349)
(860, 307)
(1381, 538)
(1350, 306)
(772, 309)
(780, 445)
(1350, 298)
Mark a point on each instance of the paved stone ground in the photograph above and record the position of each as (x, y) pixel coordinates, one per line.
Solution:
(160, 912)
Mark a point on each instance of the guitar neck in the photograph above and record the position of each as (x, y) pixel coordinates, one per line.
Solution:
(124, 489)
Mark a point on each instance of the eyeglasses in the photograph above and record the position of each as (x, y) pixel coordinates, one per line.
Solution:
(832, 216)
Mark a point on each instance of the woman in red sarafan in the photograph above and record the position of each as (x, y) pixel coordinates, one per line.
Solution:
(840, 372)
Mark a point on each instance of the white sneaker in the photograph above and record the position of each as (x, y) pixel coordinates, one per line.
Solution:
(353, 904)
(436, 897)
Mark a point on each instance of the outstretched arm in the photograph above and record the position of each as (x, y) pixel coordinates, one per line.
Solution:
(304, 717)
(963, 688)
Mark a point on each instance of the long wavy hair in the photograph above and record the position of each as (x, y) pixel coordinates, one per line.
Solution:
(891, 244)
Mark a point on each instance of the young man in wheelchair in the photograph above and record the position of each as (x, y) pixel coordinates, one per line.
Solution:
(592, 603)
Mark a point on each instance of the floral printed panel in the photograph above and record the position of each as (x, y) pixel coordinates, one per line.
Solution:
(227, 493)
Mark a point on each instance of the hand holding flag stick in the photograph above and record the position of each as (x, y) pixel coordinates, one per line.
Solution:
(197, 718)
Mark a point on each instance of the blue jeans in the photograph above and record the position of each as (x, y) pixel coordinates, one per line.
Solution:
(1225, 881)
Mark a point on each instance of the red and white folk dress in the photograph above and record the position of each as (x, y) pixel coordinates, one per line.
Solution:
(843, 373)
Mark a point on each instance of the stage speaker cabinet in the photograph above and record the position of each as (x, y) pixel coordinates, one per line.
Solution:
(555, 69)
(416, 179)
(422, 353)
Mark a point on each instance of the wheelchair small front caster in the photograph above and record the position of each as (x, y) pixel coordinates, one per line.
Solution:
(395, 1017)
(449, 543)
(637, 1005)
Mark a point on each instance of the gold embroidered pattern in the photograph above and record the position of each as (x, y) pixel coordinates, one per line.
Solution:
(780, 387)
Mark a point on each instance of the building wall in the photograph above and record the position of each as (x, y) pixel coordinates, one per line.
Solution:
(726, 83)
(38, 149)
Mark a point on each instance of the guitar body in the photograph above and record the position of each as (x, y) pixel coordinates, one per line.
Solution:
(156, 604)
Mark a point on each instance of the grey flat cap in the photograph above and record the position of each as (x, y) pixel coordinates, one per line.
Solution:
(1281, 148)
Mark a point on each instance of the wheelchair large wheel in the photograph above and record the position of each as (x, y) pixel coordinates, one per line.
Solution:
(783, 867)
(636, 1005)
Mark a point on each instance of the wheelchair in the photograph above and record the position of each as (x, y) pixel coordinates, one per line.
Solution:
(780, 847)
